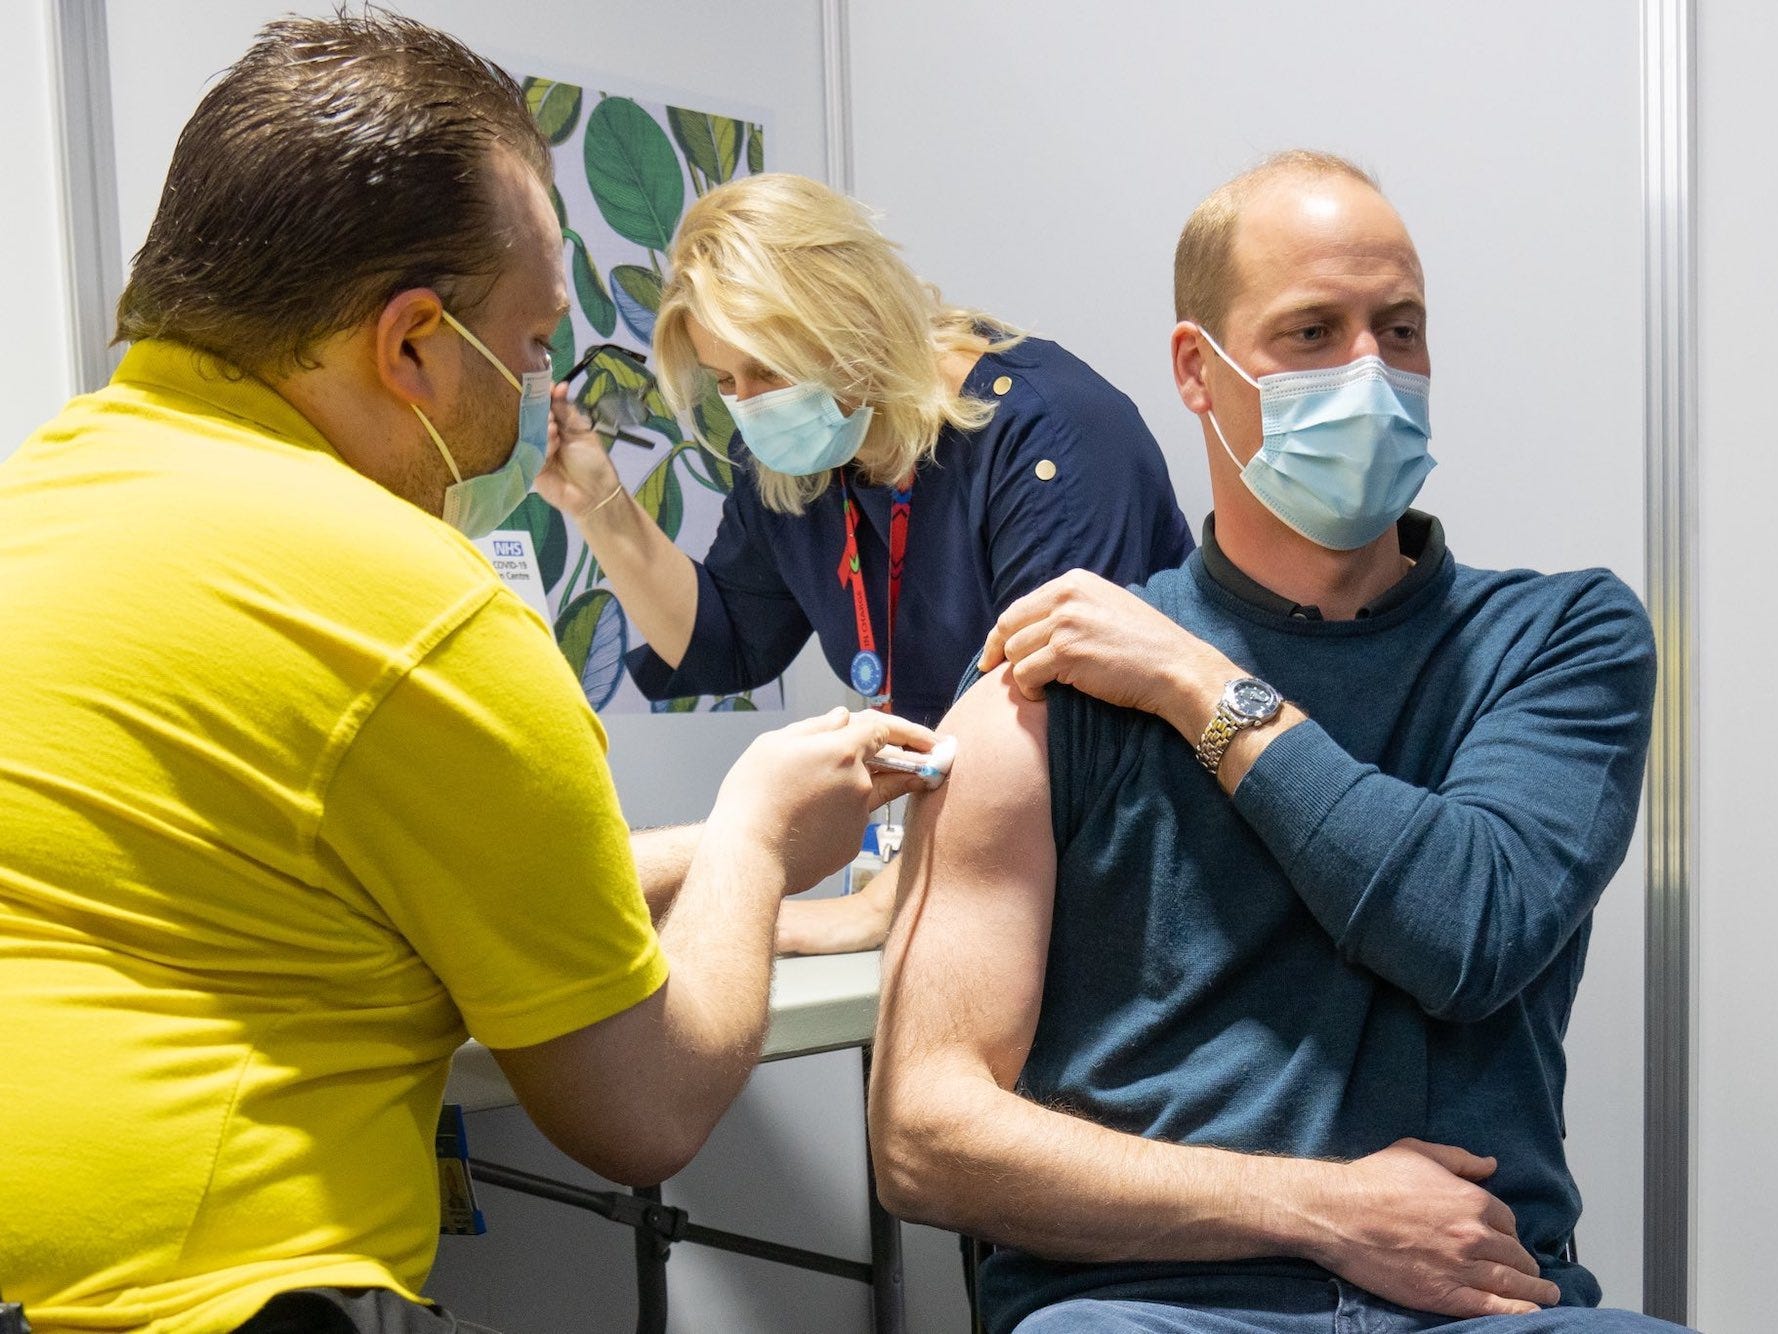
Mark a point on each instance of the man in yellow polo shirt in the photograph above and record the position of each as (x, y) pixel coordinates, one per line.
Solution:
(293, 792)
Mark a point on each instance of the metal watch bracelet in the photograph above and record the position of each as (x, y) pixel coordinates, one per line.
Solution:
(1215, 741)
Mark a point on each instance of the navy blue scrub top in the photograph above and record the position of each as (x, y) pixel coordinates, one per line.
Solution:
(1064, 476)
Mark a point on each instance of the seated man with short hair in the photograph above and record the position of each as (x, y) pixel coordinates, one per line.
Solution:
(1230, 990)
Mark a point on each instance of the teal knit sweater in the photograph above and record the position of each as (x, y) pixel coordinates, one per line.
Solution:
(1380, 935)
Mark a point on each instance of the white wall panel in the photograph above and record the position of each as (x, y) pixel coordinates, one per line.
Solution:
(35, 377)
(1736, 1183)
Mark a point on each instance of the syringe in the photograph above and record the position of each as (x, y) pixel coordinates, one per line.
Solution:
(931, 767)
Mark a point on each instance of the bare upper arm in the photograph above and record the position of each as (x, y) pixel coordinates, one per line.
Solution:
(963, 970)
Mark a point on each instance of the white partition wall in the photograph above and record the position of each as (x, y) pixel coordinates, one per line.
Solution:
(35, 375)
(1735, 1204)
(1038, 159)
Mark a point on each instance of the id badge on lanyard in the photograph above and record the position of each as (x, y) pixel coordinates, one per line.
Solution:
(873, 676)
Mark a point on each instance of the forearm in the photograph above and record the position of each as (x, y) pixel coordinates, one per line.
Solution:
(718, 942)
(842, 925)
(1472, 911)
(1406, 1222)
(1459, 899)
(1461, 880)
(1458, 927)
(654, 581)
(634, 1093)
(964, 1154)
(663, 856)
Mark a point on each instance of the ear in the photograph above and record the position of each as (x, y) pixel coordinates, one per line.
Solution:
(412, 359)
(1188, 367)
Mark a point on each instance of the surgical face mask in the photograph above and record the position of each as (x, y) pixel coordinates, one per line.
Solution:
(799, 430)
(476, 506)
(1344, 451)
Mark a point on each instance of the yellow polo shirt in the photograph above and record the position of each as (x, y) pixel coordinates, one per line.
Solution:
(293, 795)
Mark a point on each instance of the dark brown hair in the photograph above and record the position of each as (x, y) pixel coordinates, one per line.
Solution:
(338, 162)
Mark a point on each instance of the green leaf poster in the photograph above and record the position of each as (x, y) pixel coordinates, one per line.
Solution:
(627, 167)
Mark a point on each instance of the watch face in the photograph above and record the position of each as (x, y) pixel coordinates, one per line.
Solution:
(1251, 698)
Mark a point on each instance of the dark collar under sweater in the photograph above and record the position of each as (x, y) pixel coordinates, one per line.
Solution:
(1422, 539)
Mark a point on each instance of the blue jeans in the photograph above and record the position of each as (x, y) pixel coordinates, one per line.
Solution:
(1269, 1304)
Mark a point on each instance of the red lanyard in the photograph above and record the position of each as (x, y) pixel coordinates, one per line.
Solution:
(873, 676)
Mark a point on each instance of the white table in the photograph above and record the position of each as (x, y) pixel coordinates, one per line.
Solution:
(820, 1003)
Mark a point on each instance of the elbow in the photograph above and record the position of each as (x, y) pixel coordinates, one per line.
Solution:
(751, 671)
(1476, 987)
(1466, 1005)
(644, 1160)
(906, 1183)
(642, 1156)
(1500, 937)
(917, 1180)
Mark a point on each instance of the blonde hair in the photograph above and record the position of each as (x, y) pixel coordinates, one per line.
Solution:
(1204, 261)
(797, 277)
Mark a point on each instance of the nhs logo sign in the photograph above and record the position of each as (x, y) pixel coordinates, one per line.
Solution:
(511, 554)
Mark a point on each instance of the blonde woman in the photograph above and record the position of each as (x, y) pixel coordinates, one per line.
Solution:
(907, 468)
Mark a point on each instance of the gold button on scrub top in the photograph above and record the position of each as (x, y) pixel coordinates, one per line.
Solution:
(1045, 469)
(1003, 384)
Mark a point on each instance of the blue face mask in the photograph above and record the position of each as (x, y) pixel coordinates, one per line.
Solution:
(1344, 450)
(476, 506)
(799, 430)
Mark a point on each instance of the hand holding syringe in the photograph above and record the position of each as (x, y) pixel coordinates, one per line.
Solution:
(931, 767)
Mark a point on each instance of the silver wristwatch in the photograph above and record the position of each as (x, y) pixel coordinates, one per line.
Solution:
(1246, 702)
